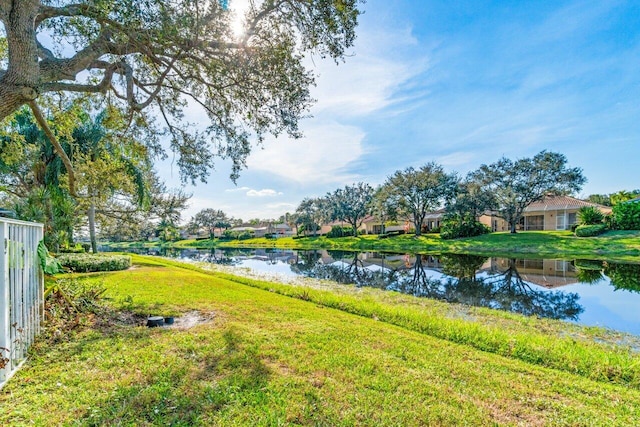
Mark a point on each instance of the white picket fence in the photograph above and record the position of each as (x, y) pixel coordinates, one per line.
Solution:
(21, 292)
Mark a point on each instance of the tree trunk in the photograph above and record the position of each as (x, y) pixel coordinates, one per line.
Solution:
(512, 225)
(418, 225)
(92, 227)
(18, 84)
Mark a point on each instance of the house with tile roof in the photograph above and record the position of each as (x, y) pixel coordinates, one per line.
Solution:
(550, 213)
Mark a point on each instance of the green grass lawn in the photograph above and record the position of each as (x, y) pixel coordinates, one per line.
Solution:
(613, 245)
(276, 354)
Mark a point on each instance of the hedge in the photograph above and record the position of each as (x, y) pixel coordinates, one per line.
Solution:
(590, 230)
(626, 216)
(85, 263)
(454, 227)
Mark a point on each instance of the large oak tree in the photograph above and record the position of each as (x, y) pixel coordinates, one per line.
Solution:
(351, 204)
(161, 56)
(515, 185)
(416, 192)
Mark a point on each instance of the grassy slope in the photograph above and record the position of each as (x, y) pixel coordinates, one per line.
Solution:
(268, 359)
(613, 245)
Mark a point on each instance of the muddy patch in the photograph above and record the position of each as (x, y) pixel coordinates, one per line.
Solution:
(190, 319)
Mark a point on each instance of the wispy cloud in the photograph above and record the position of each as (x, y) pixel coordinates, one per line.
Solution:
(267, 192)
(322, 156)
(456, 159)
(370, 79)
(237, 190)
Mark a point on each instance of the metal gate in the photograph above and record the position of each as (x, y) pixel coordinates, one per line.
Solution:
(21, 292)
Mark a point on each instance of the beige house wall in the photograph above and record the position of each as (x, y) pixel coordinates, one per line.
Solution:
(550, 220)
(494, 223)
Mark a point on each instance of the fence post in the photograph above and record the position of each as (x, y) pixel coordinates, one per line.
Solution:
(5, 327)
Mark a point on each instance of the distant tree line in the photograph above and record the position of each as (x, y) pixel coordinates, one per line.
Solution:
(505, 188)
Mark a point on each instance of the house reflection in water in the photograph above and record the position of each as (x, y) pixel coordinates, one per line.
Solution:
(549, 273)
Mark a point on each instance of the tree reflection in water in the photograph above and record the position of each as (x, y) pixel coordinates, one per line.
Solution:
(220, 257)
(452, 278)
(345, 268)
(621, 276)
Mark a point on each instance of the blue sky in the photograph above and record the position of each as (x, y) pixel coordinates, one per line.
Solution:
(461, 83)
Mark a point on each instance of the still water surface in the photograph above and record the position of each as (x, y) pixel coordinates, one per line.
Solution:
(588, 292)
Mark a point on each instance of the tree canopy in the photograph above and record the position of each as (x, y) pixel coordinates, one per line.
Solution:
(517, 184)
(158, 58)
(351, 204)
(417, 192)
(210, 219)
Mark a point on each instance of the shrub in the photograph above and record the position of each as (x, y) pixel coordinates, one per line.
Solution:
(85, 263)
(75, 248)
(454, 227)
(338, 231)
(590, 230)
(626, 216)
(238, 235)
(245, 235)
(610, 221)
(589, 215)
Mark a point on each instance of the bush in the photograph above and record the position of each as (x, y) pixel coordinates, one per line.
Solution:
(238, 235)
(245, 235)
(76, 248)
(338, 231)
(610, 221)
(626, 216)
(589, 215)
(85, 263)
(455, 227)
(590, 230)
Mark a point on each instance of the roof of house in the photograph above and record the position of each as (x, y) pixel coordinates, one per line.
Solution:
(435, 214)
(553, 203)
(637, 199)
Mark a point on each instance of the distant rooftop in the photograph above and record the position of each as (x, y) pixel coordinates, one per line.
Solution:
(561, 202)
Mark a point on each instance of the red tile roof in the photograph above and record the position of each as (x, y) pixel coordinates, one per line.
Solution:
(553, 203)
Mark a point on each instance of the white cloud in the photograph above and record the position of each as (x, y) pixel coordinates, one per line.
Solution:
(322, 156)
(235, 190)
(270, 210)
(196, 204)
(267, 192)
(369, 80)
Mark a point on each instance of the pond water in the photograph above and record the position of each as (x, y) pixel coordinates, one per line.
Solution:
(588, 292)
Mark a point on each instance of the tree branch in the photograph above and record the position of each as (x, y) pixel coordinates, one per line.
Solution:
(42, 122)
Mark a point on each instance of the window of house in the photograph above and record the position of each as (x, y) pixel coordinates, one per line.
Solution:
(534, 222)
(561, 221)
